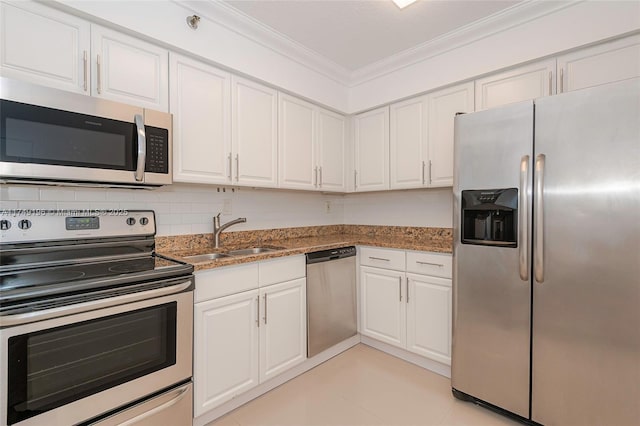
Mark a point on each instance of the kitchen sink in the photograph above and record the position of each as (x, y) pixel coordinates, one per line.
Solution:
(253, 250)
(205, 257)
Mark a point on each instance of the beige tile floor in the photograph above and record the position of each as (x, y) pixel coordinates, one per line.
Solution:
(363, 386)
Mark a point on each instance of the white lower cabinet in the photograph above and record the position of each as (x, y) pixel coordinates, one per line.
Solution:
(226, 349)
(283, 332)
(244, 339)
(382, 310)
(408, 310)
(429, 317)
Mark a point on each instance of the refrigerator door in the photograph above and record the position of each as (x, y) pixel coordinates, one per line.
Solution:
(586, 290)
(491, 318)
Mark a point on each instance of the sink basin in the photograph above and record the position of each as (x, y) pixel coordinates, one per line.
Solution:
(253, 250)
(205, 257)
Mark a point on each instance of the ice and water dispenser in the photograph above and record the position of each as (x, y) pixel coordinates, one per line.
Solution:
(489, 217)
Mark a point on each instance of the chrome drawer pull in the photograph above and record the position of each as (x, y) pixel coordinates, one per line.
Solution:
(379, 258)
(429, 263)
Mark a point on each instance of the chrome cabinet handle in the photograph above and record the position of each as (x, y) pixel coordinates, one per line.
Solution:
(423, 166)
(379, 258)
(429, 263)
(99, 77)
(538, 242)
(265, 309)
(430, 168)
(355, 179)
(550, 84)
(523, 224)
(237, 167)
(407, 289)
(400, 287)
(142, 147)
(85, 60)
(320, 172)
(258, 304)
(315, 177)
(561, 80)
(230, 167)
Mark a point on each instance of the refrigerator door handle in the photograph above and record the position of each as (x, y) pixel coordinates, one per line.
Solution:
(538, 240)
(523, 228)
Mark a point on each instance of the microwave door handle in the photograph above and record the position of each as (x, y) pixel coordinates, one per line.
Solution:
(142, 147)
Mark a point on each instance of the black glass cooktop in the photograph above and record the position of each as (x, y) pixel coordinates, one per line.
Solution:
(30, 283)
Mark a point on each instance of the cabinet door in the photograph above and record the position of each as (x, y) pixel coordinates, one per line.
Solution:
(283, 328)
(515, 85)
(442, 108)
(225, 349)
(372, 150)
(331, 151)
(201, 104)
(44, 46)
(382, 308)
(296, 143)
(254, 131)
(129, 70)
(605, 63)
(408, 143)
(429, 317)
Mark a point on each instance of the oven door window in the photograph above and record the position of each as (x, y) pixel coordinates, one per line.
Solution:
(53, 367)
(40, 135)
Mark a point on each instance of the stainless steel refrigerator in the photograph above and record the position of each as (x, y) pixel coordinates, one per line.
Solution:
(546, 283)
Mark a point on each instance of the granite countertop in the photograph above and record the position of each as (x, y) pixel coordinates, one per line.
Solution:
(288, 242)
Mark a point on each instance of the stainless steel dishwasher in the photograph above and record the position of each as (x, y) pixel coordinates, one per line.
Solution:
(331, 298)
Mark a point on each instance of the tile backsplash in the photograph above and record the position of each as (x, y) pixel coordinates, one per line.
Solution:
(189, 208)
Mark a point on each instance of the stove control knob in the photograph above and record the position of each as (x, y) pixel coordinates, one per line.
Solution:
(24, 224)
(131, 221)
(5, 224)
(144, 221)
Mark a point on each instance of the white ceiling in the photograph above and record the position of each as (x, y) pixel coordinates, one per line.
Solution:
(357, 33)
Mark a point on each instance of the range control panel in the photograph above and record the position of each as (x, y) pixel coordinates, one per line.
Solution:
(26, 225)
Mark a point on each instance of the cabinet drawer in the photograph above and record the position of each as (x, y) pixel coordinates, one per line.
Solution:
(281, 270)
(225, 281)
(382, 258)
(434, 264)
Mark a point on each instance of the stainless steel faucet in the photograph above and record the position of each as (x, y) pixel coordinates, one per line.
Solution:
(217, 228)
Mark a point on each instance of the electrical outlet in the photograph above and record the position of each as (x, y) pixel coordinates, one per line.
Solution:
(226, 206)
(327, 207)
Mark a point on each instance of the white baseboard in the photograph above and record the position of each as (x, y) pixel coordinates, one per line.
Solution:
(276, 381)
(436, 367)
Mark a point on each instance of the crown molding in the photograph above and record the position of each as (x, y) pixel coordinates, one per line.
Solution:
(496, 23)
(246, 26)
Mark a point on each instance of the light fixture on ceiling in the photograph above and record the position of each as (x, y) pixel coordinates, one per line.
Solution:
(403, 3)
(193, 21)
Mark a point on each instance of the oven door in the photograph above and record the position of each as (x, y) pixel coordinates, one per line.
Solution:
(69, 369)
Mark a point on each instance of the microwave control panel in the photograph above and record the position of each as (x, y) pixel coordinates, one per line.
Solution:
(157, 150)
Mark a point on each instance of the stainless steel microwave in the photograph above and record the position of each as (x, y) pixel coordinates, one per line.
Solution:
(52, 136)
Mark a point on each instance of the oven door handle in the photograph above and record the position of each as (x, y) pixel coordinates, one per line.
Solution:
(24, 318)
(142, 147)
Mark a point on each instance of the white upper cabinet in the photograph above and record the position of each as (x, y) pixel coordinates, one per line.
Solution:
(518, 84)
(331, 151)
(604, 63)
(296, 143)
(442, 108)
(200, 102)
(129, 70)
(44, 46)
(408, 143)
(254, 133)
(371, 150)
